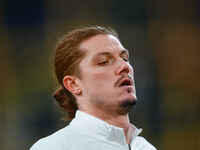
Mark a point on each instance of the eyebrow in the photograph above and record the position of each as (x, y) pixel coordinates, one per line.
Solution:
(124, 51)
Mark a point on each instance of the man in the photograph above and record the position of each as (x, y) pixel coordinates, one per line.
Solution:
(97, 90)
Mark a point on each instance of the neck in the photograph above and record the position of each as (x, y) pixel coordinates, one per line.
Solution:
(121, 121)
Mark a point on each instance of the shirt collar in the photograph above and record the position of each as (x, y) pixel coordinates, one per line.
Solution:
(101, 128)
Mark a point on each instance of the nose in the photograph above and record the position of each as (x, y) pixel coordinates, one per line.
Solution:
(124, 68)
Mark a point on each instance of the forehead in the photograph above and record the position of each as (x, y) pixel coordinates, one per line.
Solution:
(102, 43)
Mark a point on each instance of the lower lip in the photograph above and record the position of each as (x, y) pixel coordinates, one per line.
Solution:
(129, 90)
(128, 87)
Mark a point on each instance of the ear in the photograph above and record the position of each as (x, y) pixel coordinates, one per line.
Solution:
(71, 83)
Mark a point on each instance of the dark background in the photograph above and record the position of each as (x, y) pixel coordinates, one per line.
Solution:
(163, 38)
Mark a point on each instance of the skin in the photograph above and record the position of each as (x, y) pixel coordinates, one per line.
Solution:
(97, 91)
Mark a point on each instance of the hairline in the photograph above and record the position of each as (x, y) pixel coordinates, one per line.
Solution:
(85, 51)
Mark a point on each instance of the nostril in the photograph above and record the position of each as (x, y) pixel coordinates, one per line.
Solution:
(123, 67)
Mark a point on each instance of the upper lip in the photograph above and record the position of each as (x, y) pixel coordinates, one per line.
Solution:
(126, 81)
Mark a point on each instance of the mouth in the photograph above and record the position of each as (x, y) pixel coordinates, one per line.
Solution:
(125, 82)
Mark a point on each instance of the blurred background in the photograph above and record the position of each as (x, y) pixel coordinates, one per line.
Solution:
(163, 38)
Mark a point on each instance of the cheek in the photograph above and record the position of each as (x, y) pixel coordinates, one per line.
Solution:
(100, 79)
(102, 76)
(101, 82)
(96, 78)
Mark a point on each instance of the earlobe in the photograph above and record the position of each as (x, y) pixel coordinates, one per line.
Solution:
(78, 92)
(71, 84)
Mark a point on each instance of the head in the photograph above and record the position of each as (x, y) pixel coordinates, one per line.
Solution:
(93, 69)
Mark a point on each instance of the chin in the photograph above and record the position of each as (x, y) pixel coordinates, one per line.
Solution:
(126, 105)
(130, 98)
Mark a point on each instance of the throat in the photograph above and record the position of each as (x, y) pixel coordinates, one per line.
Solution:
(126, 125)
(121, 121)
(129, 134)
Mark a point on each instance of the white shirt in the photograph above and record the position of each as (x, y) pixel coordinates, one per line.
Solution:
(86, 132)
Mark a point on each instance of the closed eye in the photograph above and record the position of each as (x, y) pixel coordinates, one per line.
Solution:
(125, 59)
(125, 56)
(103, 63)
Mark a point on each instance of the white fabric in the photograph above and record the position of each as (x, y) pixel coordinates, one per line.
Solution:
(86, 132)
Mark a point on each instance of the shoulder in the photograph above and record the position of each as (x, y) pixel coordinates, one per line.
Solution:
(55, 140)
(142, 144)
(42, 144)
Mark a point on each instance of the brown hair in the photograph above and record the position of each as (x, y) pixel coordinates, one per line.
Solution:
(67, 59)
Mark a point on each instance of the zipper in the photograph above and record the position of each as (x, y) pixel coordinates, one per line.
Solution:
(129, 146)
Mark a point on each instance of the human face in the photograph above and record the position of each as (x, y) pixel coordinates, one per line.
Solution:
(104, 70)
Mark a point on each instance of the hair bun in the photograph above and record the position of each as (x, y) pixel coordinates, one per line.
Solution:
(66, 101)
